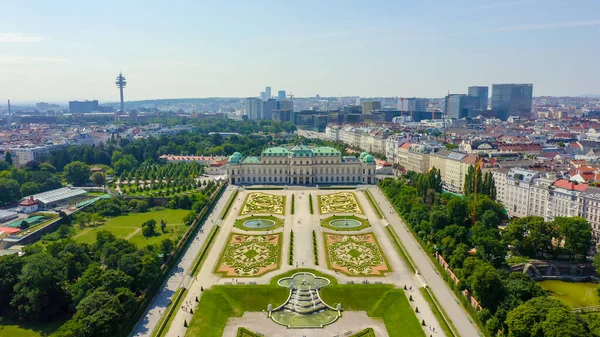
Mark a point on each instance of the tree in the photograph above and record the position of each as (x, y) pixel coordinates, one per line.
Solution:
(10, 269)
(8, 158)
(544, 316)
(40, 292)
(166, 246)
(149, 228)
(457, 211)
(77, 173)
(98, 178)
(578, 236)
(487, 286)
(10, 191)
(30, 188)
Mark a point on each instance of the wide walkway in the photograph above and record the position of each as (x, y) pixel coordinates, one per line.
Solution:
(179, 274)
(351, 322)
(438, 286)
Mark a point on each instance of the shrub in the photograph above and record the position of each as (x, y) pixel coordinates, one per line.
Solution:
(291, 258)
(310, 204)
(293, 197)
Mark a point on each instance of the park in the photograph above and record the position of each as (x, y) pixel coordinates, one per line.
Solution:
(273, 269)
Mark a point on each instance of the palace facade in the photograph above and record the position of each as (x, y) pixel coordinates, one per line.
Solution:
(301, 165)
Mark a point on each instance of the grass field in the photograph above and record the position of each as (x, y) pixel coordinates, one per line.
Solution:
(8, 329)
(383, 301)
(129, 227)
(575, 295)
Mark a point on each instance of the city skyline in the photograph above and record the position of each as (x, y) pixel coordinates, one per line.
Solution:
(234, 50)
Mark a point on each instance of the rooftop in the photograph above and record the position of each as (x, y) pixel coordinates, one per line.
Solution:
(58, 194)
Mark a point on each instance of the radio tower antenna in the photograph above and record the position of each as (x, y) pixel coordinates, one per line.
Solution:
(121, 83)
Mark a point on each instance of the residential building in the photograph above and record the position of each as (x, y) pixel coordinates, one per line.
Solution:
(538, 197)
(252, 107)
(563, 199)
(268, 92)
(25, 154)
(301, 165)
(512, 100)
(591, 209)
(281, 94)
(516, 192)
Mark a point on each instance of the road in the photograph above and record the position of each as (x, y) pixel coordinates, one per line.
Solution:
(159, 304)
(444, 295)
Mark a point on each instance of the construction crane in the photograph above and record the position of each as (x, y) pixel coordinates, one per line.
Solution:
(475, 176)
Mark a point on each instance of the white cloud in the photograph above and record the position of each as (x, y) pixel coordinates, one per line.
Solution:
(18, 38)
(28, 60)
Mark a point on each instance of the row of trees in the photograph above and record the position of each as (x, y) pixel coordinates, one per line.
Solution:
(485, 183)
(476, 251)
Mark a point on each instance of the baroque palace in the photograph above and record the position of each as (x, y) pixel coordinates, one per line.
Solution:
(301, 165)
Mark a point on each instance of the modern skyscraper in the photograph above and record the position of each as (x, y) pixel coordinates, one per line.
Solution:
(368, 106)
(512, 100)
(413, 104)
(482, 94)
(268, 92)
(459, 105)
(252, 106)
(263, 95)
(281, 94)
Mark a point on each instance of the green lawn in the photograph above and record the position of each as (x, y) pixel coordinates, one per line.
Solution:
(9, 329)
(575, 295)
(383, 301)
(325, 223)
(129, 227)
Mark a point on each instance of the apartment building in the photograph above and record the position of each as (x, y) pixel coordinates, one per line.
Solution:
(564, 199)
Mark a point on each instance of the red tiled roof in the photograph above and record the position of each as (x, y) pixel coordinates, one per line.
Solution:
(28, 202)
(218, 163)
(405, 146)
(569, 185)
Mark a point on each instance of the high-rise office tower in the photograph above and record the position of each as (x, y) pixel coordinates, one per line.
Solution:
(268, 92)
(368, 106)
(459, 105)
(252, 107)
(512, 100)
(482, 94)
(281, 94)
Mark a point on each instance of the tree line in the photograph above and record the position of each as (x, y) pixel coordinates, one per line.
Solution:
(477, 251)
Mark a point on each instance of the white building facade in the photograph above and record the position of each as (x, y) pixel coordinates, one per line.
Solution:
(301, 165)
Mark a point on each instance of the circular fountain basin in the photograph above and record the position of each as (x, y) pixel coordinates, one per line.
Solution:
(345, 223)
(259, 223)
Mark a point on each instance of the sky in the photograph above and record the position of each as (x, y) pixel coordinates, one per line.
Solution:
(72, 50)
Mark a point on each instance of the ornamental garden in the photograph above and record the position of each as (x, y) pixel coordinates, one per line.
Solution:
(263, 203)
(260, 231)
(343, 202)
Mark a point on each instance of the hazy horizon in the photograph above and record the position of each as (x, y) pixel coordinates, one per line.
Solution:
(58, 52)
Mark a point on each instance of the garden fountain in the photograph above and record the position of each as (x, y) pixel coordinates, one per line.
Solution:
(259, 223)
(304, 307)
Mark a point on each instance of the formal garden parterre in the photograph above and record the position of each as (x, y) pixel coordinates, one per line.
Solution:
(342, 202)
(263, 203)
(250, 255)
(355, 255)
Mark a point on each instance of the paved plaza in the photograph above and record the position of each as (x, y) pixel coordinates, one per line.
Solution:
(302, 223)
